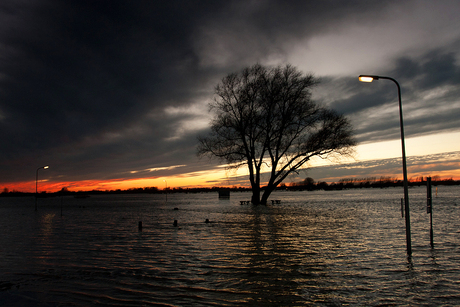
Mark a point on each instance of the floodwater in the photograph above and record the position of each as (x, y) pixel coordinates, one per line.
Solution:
(322, 248)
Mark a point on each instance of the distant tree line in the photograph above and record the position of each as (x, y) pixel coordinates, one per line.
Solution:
(146, 190)
(308, 184)
(369, 182)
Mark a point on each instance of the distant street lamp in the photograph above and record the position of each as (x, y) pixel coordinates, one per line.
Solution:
(370, 78)
(36, 184)
(166, 187)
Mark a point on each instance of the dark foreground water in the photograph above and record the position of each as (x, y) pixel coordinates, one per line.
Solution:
(340, 248)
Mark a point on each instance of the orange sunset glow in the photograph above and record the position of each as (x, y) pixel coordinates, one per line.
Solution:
(219, 178)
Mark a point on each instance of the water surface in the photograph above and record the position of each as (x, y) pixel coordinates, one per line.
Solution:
(318, 248)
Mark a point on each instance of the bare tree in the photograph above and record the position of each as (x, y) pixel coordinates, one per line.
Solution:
(266, 117)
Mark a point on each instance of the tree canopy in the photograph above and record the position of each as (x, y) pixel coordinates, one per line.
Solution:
(266, 116)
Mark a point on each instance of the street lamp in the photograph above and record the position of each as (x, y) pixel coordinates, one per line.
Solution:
(370, 78)
(36, 184)
(166, 187)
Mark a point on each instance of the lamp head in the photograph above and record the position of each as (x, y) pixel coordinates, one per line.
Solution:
(45, 167)
(368, 78)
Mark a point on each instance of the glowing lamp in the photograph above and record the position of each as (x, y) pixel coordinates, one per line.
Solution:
(365, 79)
(368, 78)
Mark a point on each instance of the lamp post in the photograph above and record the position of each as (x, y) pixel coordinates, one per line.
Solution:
(166, 192)
(36, 184)
(370, 78)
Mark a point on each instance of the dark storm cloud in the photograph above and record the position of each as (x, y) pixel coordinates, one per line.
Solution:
(84, 66)
(77, 78)
(114, 89)
(74, 72)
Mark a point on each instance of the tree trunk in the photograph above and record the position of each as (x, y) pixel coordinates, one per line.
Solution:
(267, 192)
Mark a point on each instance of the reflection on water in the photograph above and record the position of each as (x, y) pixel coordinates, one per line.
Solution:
(314, 249)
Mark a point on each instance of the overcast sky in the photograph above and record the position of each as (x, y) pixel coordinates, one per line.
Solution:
(112, 90)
